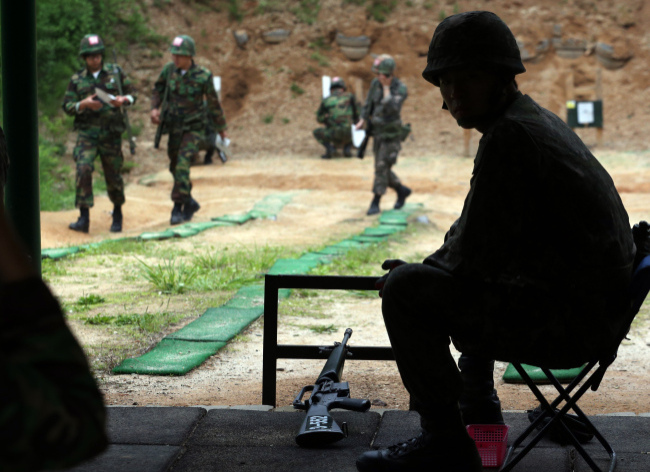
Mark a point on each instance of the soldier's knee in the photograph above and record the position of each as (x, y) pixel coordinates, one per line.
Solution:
(84, 169)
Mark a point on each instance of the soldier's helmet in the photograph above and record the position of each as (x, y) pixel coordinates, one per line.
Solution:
(475, 39)
(337, 82)
(91, 44)
(378, 60)
(183, 45)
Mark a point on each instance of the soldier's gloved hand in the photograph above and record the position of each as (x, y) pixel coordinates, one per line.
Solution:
(389, 265)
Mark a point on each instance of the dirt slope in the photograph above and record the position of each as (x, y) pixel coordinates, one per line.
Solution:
(257, 79)
(281, 155)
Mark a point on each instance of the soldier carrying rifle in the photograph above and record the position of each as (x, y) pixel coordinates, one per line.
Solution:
(182, 95)
(94, 99)
(383, 111)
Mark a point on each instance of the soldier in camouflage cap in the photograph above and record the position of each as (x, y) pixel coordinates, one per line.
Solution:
(100, 125)
(383, 108)
(535, 270)
(51, 415)
(189, 95)
(337, 112)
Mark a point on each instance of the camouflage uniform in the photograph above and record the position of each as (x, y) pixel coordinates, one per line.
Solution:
(535, 270)
(100, 132)
(191, 97)
(338, 112)
(52, 414)
(384, 114)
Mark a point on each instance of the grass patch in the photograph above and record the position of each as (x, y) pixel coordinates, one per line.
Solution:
(320, 59)
(296, 90)
(169, 276)
(90, 300)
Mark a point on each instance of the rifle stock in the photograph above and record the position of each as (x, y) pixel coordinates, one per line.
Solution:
(319, 427)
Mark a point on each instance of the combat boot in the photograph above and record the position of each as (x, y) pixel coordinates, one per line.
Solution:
(347, 150)
(374, 206)
(177, 214)
(329, 151)
(479, 402)
(83, 223)
(190, 208)
(207, 160)
(116, 226)
(454, 450)
(402, 193)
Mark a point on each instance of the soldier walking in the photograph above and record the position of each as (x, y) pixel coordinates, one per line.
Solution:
(100, 125)
(183, 94)
(382, 109)
(337, 112)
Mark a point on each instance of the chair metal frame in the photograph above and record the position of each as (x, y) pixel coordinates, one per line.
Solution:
(639, 289)
(272, 351)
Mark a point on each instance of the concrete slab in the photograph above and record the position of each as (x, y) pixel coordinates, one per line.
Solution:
(153, 439)
(152, 425)
(626, 462)
(396, 426)
(624, 433)
(131, 458)
(339, 457)
(545, 460)
(241, 428)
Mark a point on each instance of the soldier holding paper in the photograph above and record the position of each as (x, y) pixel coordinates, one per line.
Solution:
(93, 99)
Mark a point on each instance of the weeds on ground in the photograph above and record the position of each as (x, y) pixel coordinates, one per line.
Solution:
(169, 276)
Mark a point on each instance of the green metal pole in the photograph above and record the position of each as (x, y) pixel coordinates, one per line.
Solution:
(19, 108)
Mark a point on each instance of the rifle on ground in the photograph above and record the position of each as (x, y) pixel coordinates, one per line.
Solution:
(116, 71)
(362, 148)
(163, 111)
(319, 428)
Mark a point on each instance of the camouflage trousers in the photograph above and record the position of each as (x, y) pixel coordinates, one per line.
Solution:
(386, 152)
(559, 327)
(108, 145)
(335, 135)
(181, 149)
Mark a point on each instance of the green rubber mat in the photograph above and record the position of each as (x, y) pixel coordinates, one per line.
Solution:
(156, 235)
(268, 207)
(322, 258)
(382, 230)
(58, 253)
(293, 266)
(191, 345)
(394, 218)
(563, 375)
(370, 239)
(170, 357)
(218, 324)
(235, 219)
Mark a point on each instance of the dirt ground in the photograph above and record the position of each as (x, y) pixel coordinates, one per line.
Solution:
(330, 197)
(328, 205)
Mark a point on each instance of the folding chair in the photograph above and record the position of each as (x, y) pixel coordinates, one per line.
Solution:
(639, 289)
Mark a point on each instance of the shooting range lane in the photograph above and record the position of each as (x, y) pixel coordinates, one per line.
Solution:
(269, 207)
(187, 348)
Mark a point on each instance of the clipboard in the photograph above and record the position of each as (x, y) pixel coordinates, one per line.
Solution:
(104, 96)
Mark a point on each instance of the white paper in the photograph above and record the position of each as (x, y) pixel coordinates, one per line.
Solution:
(358, 136)
(585, 113)
(216, 80)
(104, 96)
(327, 81)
